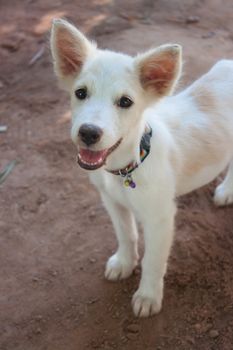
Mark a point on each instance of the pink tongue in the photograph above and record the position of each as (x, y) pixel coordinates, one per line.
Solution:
(92, 156)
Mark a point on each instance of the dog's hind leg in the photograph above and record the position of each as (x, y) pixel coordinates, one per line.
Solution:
(224, 192)
(122, 263)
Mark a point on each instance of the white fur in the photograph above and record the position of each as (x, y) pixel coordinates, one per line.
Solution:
(183, 129)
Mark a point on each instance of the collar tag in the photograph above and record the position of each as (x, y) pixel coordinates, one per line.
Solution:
(126, 172)
(128, 182)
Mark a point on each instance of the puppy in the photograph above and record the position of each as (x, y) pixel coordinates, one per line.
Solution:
(142, 147)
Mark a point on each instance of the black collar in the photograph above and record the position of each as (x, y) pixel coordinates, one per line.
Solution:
(144, 152)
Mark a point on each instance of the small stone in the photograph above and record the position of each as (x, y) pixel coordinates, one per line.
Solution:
(208, 326)
(92, 301)
(132, 336)
(213, 333)
(35, 279)
(10, 45)
(38, 318)
(146, 20)
(192, 19)
(208, 35)
(197, 327)
(133, 328)
(92, 260)
(124, 340)
(3, 128)
(92, 215)
(191, 340)
(38, 331)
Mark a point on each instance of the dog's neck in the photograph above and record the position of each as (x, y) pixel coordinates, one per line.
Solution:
(128, 159)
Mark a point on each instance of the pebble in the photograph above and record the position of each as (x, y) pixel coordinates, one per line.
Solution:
(197, 327)
(132, 336)
(38, 317)
(92, 215)
(38, 331)
(92, 301)
(3, 128)
(35, 279)
(10, 45)
(192, 19)
(214, 333)
(208, 326)
(191, 340)
(133, 328)
(208, 35)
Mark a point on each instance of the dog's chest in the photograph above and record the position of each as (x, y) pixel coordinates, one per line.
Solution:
(114, 187)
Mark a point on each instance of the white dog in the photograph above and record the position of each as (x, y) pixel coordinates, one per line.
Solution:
(143, 147)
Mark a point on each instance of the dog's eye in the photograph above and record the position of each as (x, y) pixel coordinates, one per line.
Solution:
(124, 102)
(81, 93)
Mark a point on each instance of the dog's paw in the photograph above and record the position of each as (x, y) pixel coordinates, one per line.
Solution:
(119, 268)
(146, 304)
(223, 195)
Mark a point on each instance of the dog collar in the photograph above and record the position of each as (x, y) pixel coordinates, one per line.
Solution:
(126, 172)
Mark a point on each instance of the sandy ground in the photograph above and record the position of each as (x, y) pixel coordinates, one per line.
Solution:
(55, 235)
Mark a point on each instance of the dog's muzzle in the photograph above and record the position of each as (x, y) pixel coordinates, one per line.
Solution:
(92, 160)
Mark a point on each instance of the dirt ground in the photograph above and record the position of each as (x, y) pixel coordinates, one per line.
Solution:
(55, 234)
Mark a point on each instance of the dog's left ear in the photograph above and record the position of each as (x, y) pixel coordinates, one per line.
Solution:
(159, 69)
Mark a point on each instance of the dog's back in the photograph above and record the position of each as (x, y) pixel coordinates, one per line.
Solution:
(214, 90)
(200, 120)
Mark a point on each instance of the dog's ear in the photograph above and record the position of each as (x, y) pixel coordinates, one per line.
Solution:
(70, 48)
(159, 69)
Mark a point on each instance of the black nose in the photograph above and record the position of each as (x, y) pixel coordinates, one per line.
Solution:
(90, 134)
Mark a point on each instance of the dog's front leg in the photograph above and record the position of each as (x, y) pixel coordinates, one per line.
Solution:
(122, 263)
(158, 221)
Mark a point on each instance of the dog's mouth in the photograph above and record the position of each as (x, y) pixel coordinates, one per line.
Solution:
(92, 160)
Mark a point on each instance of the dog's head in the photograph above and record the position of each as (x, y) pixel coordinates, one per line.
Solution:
(109, 91)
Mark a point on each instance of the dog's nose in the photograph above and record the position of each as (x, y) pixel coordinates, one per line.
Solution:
(90, 134)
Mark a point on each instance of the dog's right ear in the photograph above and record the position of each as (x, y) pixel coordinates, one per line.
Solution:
(70, 48)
